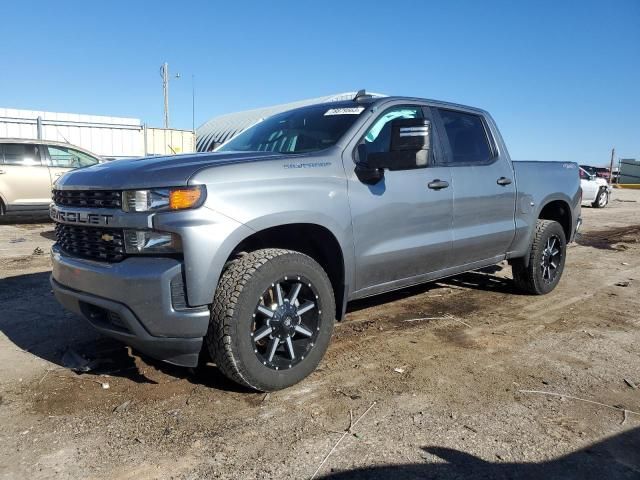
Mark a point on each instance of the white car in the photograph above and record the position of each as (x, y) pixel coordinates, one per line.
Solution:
(595, 190)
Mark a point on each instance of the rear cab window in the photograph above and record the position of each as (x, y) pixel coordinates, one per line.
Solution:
(468, 138)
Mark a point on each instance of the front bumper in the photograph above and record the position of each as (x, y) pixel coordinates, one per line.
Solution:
(137, 301)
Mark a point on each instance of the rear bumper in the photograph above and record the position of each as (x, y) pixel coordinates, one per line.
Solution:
(137, 301)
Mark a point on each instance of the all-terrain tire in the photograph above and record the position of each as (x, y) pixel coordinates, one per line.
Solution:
(229, 338)
(531, 278)
(602, 199)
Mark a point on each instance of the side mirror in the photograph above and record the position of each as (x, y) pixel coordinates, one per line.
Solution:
(409, 148)
(365, 172)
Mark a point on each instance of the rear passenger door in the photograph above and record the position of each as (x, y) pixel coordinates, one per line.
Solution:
(24, 178)
(483, 187)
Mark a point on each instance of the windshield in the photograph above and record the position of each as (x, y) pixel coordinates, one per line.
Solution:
(297, 131)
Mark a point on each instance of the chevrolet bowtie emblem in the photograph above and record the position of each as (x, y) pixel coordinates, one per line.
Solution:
(106, 237)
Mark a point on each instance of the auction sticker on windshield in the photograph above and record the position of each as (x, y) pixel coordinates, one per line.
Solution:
(344, 111)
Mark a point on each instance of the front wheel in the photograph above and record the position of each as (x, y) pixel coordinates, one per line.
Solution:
(546, 260)
(602, 199)
(271, 319)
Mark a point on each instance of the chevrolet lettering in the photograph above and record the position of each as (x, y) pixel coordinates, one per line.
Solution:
(64, 216)
(245, 256)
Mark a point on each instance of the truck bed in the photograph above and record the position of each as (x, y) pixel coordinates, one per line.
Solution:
(537, 184)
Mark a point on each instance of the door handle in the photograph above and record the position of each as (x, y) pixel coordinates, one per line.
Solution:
(437, 184)
(2, 171)
(57, 174)
(504, 181)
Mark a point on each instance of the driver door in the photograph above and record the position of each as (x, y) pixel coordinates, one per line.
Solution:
(401, 226)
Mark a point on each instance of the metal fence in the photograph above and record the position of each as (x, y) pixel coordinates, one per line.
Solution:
(111, 137)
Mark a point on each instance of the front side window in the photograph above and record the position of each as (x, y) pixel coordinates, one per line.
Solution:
(584, 174)
(64, 157)
(467, 137)
(378, 137)
(297, 131)
(21, 154)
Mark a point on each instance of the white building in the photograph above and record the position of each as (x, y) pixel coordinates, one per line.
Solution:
(110, 137)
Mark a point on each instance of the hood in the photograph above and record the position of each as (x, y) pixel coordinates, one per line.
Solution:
(153, 172)
(601, 181)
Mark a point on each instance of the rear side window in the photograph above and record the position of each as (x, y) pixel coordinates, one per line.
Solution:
(21, 154)
(467, 137)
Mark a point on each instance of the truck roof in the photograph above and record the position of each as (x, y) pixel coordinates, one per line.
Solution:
(381, 100)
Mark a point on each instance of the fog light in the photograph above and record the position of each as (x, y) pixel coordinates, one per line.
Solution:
(148, 241)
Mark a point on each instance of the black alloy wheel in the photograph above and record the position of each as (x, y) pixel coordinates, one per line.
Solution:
(286, 322)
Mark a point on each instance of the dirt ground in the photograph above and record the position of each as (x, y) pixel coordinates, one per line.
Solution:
(439, 372)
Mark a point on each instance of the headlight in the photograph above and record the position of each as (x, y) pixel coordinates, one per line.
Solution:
(159, 199)
(148, 241)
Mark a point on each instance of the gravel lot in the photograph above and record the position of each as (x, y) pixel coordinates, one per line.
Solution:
(442, 366)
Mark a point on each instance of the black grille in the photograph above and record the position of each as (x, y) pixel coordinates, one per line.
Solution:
(88, 198)
(96, 243)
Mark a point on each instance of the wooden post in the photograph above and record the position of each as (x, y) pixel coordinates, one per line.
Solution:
(613, 154)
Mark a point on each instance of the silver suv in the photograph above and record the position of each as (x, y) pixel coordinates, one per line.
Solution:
(29, 168)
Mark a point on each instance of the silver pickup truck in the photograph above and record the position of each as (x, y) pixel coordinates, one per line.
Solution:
(246, 256)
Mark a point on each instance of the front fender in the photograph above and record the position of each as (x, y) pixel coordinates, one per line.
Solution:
(341, 231)
(208, 238)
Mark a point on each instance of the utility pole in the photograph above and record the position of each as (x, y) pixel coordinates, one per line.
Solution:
(613, 154)
(164, 73)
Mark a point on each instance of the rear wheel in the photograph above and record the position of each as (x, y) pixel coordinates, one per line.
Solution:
(602, 199)
(545, 262)
(272, 319)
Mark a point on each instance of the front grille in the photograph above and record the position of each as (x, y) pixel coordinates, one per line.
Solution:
(96, 243)
(88, 198)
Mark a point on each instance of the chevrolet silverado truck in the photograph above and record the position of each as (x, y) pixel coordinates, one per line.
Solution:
(246, 256)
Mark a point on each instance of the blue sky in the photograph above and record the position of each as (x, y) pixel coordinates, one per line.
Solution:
(561, 78)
